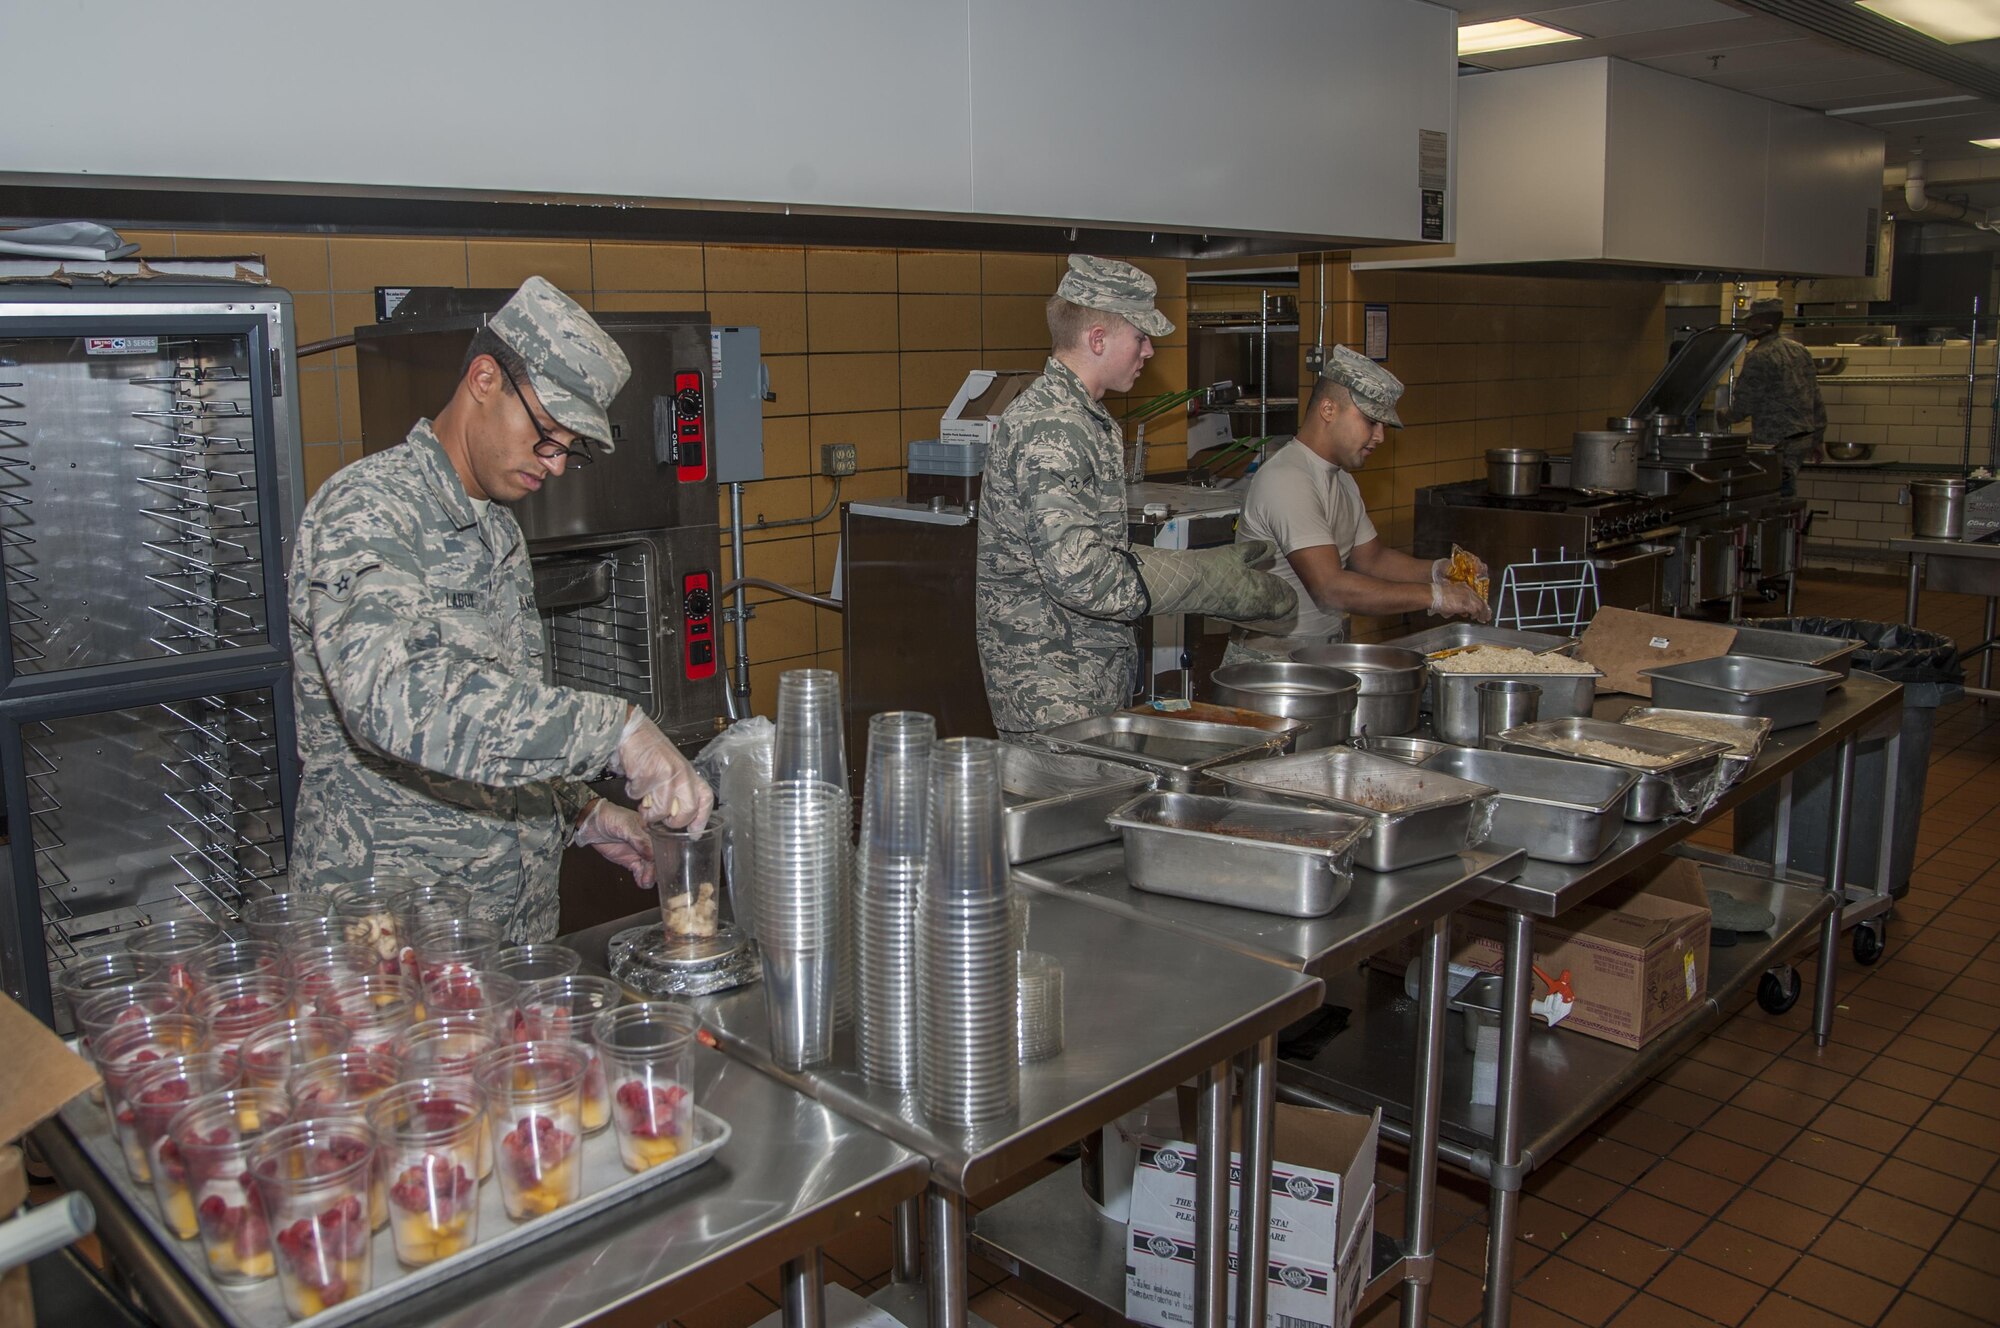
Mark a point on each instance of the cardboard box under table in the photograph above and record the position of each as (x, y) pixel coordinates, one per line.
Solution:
(1322, 1222)
(42, 1075)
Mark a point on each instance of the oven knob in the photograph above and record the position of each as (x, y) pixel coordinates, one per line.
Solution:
(698, 603)
(687, 403)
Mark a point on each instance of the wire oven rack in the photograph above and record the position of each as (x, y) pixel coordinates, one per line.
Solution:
(607, 645)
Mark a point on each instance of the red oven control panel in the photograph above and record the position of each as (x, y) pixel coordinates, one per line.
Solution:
(690, 427)
(698, 613)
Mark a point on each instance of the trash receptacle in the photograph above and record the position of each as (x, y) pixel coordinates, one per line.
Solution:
(1932, 674)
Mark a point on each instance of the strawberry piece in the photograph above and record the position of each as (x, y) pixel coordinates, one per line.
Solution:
(650, 1113)
(537, 1142)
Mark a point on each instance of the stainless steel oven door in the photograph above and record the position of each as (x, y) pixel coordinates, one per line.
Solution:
(1633, 577)
(1704, 565)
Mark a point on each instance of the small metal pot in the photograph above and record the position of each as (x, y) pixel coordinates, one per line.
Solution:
(1605, 459)
(1514, 472)
(1937, 509)
(1324, 697)
(1392, 683)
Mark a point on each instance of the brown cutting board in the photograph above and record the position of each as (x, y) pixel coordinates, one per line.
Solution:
(1620, 643)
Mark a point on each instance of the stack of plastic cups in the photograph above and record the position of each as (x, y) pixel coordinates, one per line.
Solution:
(811, 743)
(966, 1059)
(801, 846)
(889, 880)
(1040, 1007)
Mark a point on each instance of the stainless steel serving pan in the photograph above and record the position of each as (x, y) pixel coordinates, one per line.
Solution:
(1557, 811)
(1831, 653)
(1057, 801)
(1455, 707)
(1685, 781)
(1176, 750)
(1459, 635)
(1751, 730)
(1786, 694)
(1298, 861)
(1410, 751)
(1321, 697)
(1417, 815)
(1392, 683)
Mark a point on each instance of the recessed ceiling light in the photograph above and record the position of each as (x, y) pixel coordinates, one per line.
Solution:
(1947, 20)
(1985, 142)
(1508, 34)
(1900, 105)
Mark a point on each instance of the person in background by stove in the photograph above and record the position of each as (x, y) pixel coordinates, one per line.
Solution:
(1305, 501)
(1778, 392)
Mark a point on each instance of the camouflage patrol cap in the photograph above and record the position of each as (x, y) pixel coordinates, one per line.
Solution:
(575, 366)
(1760, 308)
(1117, 288)
(1373, 388)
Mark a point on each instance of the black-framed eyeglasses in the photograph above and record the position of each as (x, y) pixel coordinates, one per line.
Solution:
(547, 448)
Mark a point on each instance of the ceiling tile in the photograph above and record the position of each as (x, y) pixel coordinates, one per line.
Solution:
(1617, 18)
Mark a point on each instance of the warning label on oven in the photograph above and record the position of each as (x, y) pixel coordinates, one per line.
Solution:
(1433, 179)
(121, 345)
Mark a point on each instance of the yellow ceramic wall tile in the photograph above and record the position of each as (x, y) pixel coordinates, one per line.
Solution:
(1167, 371)
(152, 244)
(939, 322)
(1015, 361)
(789, 385)
(853, 382)
(843, 322)
(826, 553)
(625, 302)
(1176, 310)
(296, 262)
(774, 500)
(508, 263)
(921, 424)
(1020, 274)
(321, 460)
(618, 265)
(850, 269)
(789, 562)
(783, 629)
(352, 309)
(932, 378)
(745, 268)
(787, 447)
(780, 319)
(312, 320)
(1014, 322)
(363, 262)
(1376, 488)
(319, 406)
(347, 386)
(938, 272)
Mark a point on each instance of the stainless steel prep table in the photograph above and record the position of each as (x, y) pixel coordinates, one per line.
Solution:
(1550, 1090)
(1049, 1232)
(1145, 1010)
(792, 1175)
(1958, 567)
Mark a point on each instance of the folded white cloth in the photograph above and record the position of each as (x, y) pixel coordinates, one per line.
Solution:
(66, 239)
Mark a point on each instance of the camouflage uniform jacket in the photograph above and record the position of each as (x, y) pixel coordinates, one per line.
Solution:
(1058, 585)
(429, 745)
(1778, 391)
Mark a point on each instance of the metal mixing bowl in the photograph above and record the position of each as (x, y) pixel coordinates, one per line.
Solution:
(1850, 451)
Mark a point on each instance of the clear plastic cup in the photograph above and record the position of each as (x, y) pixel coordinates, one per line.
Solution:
(810, 742)
(228, 958)
(450, 1046)
(272, 918)
(110, 1007)
(417, 905)
(375, 1007)
(537, 962)
(313, 1177)
(446, 947)
(968, 843)
(127, 1048)
(82, 978)
(689, 872)
(316, 969)
(895, 797)
(213, 1135)
(272, 1053)
(366, 913)
(234, 1008)
(171, 944)
(346, 1081)
(534, 1093)
(428, 1132)
(157, 1093)
(565, 1009)
(648, 1055)
(488, 996)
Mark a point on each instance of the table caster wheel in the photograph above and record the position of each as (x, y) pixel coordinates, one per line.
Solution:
(1769, 594)
(1778, 990)
(1870, 940)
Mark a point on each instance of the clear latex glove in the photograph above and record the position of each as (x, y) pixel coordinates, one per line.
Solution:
(1221, 582)
(659, 778)
(1454, 599)
(619, 834)
(1441, 567)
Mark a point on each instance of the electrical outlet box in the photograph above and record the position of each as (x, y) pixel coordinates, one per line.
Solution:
(836, 459)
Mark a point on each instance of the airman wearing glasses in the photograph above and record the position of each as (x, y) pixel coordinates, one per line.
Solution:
(430, 746)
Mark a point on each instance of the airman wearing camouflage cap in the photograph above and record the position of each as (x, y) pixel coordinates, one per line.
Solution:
(1059, 582)
(1374, 389)
(1777, 390)
(430, 746)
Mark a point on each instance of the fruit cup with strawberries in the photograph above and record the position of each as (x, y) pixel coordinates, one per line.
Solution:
(234, 1008)
(484, 995)
(533, 1091)
(169, 946)
(648, 1055)
(342, 1085)
(538, 961)
(127, 1046)
(428, 1131)
(562, 1009)
(313, 1178)
(228, 958)
(452, 947)
(418, 905)
(156, 1094)
(451, 1045)
(273, 917)
(272, 1053)
(213, 1136)
(376, 1007)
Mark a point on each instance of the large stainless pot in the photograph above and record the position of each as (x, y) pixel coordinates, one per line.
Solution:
(1392, 684)
(1324, 697)
(1514, 472)
(1937, 508)
(1601, 459)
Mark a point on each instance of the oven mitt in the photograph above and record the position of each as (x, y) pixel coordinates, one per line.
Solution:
(1728, 913)
(1220, 582)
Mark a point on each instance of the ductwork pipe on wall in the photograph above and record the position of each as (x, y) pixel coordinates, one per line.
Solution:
(1916, 196)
